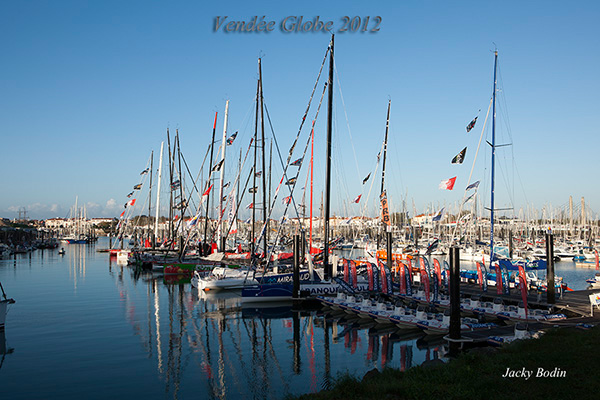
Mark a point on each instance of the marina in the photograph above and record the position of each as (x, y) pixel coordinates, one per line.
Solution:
(220, 202)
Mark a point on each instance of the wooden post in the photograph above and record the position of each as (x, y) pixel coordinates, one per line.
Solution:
(454, 293)
(551, 293)
(296, 277)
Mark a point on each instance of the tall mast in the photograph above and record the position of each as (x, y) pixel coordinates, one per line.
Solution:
(264, 170)
(150, 193)
(493, 160)
(252, 243)
(181, 198)
(160, 162)
(387, 125)
(326, 268)
(223, 145)
(210, 166)
(170, 188)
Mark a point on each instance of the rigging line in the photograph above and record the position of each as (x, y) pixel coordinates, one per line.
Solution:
(337, 76)
(285, 167)
(229, 196)
(473, 166)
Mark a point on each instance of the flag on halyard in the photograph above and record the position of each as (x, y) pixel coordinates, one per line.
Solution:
(123, 213)
(129, 195)
(291, 181)
(253, 189)
(356, 200)
(471, 124)
(286, 200)
(250, 206)
(145, 171)
(131, 202)
(205, 194)
(217, 166)
(367, 178)
(175, 184)
(258, 174)
(439, 215)
(231, 139)
(473, 185)
(469, 198)
(297, 163)
(137, 187)
(448, 184)
(460, 157)
(226, 185)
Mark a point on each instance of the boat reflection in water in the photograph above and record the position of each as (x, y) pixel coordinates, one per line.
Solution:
(228, 349)
(4, 349)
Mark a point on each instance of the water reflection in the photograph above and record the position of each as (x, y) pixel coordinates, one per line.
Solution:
(4, 349)
(212, 345)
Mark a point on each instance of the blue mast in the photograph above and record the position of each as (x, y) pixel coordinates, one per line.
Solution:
(493, 144)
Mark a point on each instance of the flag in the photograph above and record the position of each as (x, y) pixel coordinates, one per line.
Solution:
(291, 181)
(175, 184)
(137, 187)
(469, 198)
(297, 163)
(250, 206)
(367, 178)
(448, 184)
(471, 124)
(286, 200)
(438, 216)
(131, 202)
(356, 200)
(253, 189)
(379, 156)
(224, 198)
(231, 139)
(232, 219)
(145, 171)
(181, 204)
(226, 185)
(205, 194)
(385, 213)
(460, 157)
(523, 286)
(129, 195)
(258, 174)
(192, 221)
(473, 185)
(123, 213)
(217, 166)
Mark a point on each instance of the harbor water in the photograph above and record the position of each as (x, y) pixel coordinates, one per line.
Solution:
(85, 327)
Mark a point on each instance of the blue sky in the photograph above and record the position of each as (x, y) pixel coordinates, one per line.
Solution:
(89, 89)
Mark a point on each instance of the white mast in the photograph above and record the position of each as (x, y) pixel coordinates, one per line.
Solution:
(222, 162)
(162, 144)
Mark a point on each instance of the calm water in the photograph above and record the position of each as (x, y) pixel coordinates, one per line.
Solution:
(85, 327)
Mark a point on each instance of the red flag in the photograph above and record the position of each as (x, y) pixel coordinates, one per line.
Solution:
(523, 286)
(356, 200)
(498, 279)
(346, 271)
(383, 277)
(131, 202)
(479, 275)
(205, 194)
(424, 279)
(448, 184)
(438, 271)
(123, 213)
(402, 279)
(353, 272)
(249, 206)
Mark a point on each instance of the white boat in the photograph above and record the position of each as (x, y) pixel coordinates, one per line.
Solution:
(440, 324)
(221, 278)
